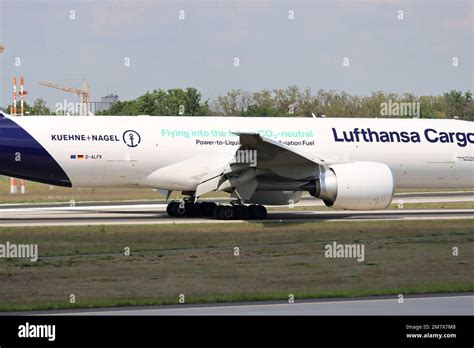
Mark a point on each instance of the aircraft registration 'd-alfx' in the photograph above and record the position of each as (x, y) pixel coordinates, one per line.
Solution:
(349, 163)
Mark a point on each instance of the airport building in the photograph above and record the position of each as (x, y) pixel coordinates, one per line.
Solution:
(106, 102)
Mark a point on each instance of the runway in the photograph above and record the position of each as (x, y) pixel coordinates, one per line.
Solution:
(146, 212)
(156, 214)
(413, 197)
(436, 304)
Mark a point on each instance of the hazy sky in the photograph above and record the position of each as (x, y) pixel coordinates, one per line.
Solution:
(413, 54)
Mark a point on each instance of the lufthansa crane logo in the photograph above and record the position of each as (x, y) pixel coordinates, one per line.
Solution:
(131, 138)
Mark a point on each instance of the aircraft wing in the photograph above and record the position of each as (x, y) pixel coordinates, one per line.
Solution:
(274, 152)
(274, 161)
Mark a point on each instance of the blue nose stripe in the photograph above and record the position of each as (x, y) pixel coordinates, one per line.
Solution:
(21, 156)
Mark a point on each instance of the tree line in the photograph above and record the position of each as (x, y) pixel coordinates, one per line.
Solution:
(289, 102)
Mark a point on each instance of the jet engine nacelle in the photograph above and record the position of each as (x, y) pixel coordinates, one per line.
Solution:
(355, 186)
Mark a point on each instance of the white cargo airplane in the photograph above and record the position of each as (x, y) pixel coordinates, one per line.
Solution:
(349, 163)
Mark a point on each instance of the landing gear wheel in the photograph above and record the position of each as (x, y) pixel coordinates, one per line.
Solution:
(216, 211)
(193, 209)
(242, 212)
(171, 209)
(258, 211)
(196, 210)
(180, 209)
(226, 212)
(207, 209)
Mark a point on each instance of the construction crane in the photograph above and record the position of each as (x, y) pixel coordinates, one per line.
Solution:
(82, 93)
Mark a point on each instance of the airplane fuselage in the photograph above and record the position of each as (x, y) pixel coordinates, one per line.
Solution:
(108, 151)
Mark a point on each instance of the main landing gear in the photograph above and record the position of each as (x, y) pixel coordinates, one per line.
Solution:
(221, 211)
